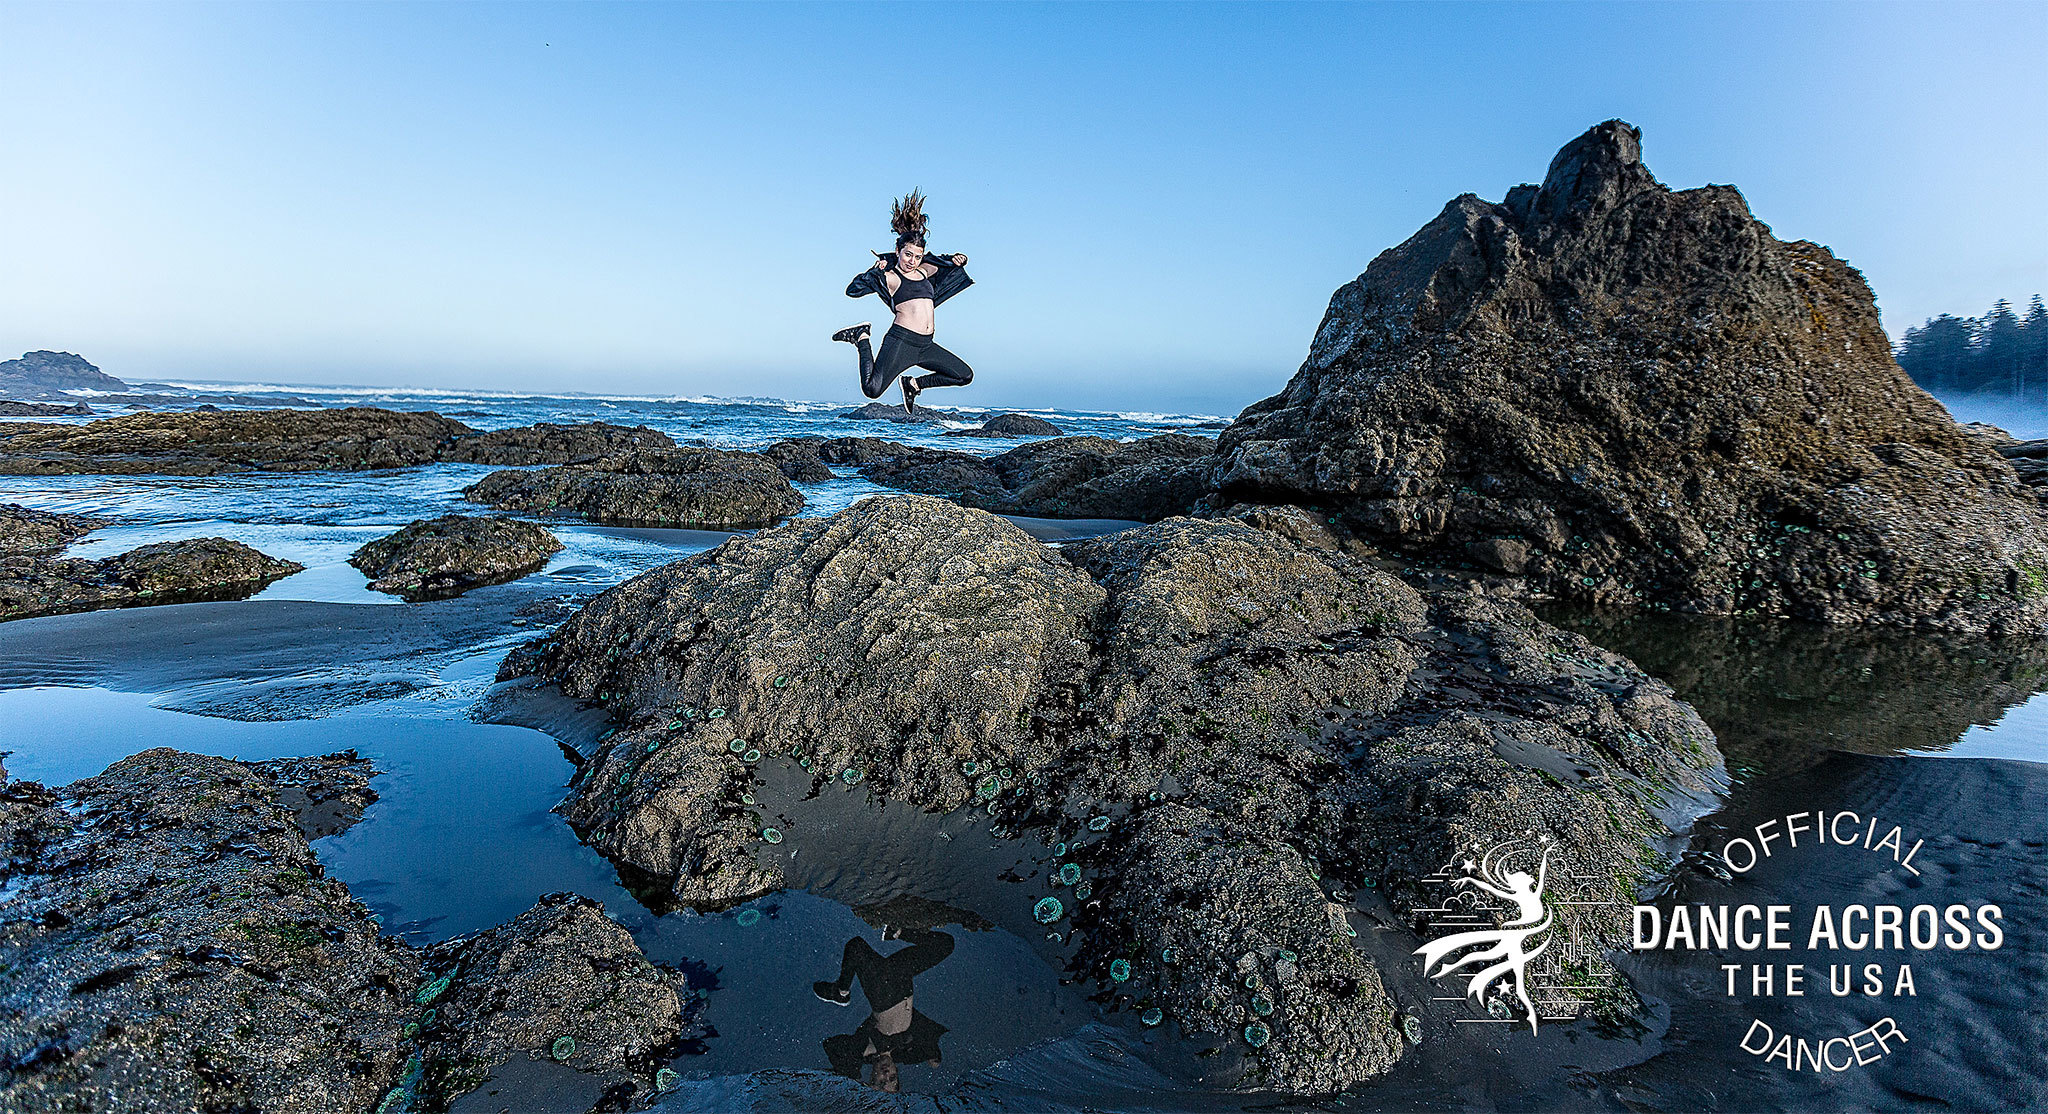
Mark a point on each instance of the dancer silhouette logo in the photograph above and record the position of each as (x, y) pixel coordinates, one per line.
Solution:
(1498, 927)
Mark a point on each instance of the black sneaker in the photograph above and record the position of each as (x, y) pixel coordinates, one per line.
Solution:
(852, 333)
(910, 393)
(826, 992)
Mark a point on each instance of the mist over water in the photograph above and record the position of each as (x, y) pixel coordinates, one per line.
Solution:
(2025, 419)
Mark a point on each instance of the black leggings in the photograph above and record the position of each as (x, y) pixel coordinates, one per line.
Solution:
(886, 979)
(902, 350)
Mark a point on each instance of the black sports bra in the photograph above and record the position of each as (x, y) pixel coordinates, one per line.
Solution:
(910, 288)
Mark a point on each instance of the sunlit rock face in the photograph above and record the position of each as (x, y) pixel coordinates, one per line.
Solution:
(1623, 393)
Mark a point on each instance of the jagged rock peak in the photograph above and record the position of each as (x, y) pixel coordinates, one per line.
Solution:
(1595, 171)
(1600, 229)
(1623, 393)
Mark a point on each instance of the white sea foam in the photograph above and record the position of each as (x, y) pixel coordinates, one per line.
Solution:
(1165, 419)
(352, 394)
(348, 392)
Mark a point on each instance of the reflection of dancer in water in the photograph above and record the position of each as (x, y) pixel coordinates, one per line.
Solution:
(894, 1033)
(1504, 943)
(912, 284)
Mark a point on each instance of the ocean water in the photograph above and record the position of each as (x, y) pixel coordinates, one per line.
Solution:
(2025, 419)
(1947, 738)
(318, 519)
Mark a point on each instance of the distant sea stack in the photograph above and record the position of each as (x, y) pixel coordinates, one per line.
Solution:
(42, 375)
(1628, 394)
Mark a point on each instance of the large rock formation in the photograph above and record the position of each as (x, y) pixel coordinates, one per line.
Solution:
(1625, 393)
(1216, 722)
(165, 572)
(435, 558)
(46, 375)
(708, 489)
(171, 943)
(1065, 477)
(209, 442)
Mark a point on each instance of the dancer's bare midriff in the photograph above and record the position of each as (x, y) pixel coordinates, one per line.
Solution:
(917, 316)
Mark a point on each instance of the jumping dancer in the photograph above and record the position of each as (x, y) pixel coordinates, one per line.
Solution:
(912, 284)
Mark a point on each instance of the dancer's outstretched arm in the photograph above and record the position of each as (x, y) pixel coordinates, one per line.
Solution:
(868, 281)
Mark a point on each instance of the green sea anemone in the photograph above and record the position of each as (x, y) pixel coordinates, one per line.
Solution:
(432, 990)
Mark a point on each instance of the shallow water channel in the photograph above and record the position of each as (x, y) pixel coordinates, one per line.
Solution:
(1945, 738)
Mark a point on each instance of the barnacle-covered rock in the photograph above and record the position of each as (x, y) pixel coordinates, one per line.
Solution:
(434, 558)
(165, 572)
(710, 489)
(1221, 727)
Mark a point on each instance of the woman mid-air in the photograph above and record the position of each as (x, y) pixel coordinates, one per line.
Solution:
(912, 284)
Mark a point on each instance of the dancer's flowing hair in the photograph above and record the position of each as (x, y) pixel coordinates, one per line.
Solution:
(907, 218)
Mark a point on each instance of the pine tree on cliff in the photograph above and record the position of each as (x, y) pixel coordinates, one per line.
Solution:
(1998, 353)
(2034, 343)
(1999, 342)
(1938, 354)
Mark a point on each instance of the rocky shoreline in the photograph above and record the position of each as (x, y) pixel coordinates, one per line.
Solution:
(1222, 729)
(208, 443)
(447, 556)
(704, 489)
(10, 408)
(1243, 733)
(171, 941)
(33, 581)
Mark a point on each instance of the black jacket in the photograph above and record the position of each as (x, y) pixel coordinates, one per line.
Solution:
(948, 281)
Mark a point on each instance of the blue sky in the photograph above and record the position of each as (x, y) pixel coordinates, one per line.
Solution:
(1157, 199)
